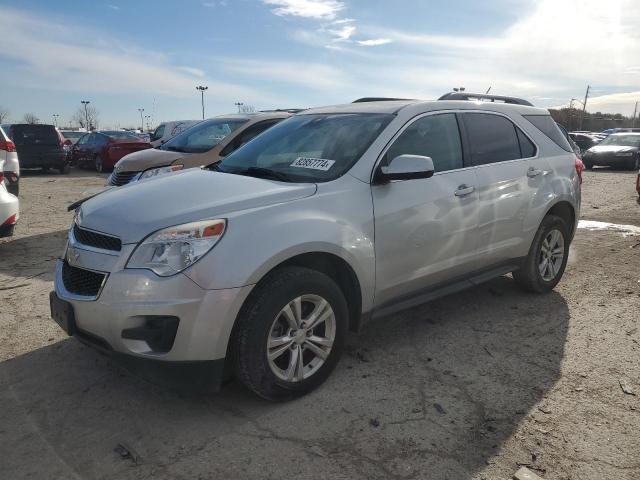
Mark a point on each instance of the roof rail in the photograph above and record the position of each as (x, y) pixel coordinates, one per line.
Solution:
(377, 99)
(288, 110)
(485, 97)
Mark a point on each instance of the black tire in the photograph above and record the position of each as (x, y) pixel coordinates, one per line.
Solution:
(588, 166)
(528, 277)
(65, 169)
(256, 318)
(97, 164)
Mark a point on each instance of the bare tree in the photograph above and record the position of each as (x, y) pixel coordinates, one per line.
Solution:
(91, 114)
(246, 109)
(4, 114)
(30, 118)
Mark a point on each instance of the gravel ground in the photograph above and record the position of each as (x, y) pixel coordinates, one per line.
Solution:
(467, 387)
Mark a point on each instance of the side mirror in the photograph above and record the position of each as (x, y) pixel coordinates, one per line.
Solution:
(406, 167)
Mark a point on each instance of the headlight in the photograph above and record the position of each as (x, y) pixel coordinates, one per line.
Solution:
(154, 172)
(171, 250)
(624, 154)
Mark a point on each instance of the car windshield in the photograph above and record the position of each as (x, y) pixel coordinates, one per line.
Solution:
(307, 148)
(622, 140)
(72, 135)
(203, 136)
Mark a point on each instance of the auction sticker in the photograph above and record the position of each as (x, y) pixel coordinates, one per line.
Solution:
(313, 163)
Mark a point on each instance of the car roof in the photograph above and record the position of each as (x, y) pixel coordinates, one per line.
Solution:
(266, 115)
(417, 106)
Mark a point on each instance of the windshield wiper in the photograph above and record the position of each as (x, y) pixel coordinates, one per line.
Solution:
(260, 172)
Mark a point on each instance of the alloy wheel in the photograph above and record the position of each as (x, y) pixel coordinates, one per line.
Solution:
(551, 255)
(301, 338)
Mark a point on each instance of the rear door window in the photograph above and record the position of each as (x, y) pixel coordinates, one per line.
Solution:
(492, 138)
(35, 135)
(548, 126)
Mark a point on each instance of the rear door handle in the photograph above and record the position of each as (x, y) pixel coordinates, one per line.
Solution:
(533, 172)
(464, 190)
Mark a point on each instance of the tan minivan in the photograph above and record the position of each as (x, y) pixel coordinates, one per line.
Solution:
(205, 143)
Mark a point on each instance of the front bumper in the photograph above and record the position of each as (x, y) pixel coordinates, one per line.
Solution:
(129, 298)
(9, 210)
(609, 160)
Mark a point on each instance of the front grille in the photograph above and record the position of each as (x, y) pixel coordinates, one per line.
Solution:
(121, 178)
(80, 281)
(97, 240)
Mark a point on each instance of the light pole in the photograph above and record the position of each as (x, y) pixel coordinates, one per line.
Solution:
(633, 119)
(141, 120)
(148, 117)
(239, 104)
(86, 113)
(55, 119)
(584, 105)
(202, 89)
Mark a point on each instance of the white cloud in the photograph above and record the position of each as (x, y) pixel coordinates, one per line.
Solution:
(113, 7)
(44, 54)
(613, 103)
(374, 42)
(213, 4)
(322, 9)
(343, 33)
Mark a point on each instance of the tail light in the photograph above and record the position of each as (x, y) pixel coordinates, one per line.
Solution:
(1, 177)
(7, 146)
(579, 169)
(10, 221)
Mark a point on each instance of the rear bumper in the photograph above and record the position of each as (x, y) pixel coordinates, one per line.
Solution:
(52, 161)
(9, 212)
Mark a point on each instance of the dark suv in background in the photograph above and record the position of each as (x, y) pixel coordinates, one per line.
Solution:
(39, 146)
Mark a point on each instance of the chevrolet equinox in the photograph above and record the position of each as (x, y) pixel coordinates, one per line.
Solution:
(261, 264)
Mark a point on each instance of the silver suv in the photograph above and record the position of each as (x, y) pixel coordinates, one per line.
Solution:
(263, 263)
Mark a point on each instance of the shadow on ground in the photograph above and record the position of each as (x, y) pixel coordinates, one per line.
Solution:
(430, 393)
(32, 256)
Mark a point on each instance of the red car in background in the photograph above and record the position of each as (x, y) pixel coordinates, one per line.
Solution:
(101, 150)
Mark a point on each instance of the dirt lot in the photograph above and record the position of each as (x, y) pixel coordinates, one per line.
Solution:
(467, 387)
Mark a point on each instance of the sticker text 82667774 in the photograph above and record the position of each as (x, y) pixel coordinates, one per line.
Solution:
(313, 163)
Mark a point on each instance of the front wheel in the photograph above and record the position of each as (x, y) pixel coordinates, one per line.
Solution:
(290, 333)
(97, 163)
(544, 266)
(65, 169)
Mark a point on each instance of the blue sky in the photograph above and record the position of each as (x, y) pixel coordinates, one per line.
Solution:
(298, 53)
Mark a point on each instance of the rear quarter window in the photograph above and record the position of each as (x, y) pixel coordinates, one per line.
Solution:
(548, 126)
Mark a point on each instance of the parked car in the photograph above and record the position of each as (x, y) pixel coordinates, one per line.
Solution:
(11, 169)
(203, 144)
(101, 150)
(167, 130)
(9, 207)
(574, 146)
(332, 217)
(638, 184)
(38, 146)
(72, 135)
(620, 150)
(584, 140)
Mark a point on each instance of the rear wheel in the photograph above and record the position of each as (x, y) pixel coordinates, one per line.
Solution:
(290, 333)
(97, 163)
(65, 169)
(587, 165)
(544, 266)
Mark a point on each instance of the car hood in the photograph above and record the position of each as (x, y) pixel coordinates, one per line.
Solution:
(134, 211)
(611, 149)
(144, 159)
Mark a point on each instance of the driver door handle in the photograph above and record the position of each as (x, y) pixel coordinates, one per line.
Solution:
(464, 190)
(533, 172)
